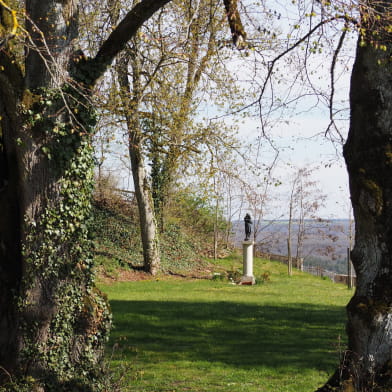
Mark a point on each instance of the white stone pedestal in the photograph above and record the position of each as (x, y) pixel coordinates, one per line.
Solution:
(247, 277)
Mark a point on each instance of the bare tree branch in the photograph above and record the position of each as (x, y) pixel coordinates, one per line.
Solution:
(331, 97)
(288, 50)
(124, 31)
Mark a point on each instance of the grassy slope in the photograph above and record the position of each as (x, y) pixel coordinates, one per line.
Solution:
(204, 335)
(118, 243)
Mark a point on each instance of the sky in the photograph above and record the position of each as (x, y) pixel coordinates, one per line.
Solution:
(299, 135)
(299, 132)
(295, 129)
(299, 148)
(301, 143)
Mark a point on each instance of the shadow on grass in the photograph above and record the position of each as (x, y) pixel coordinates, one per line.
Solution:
(240, 335)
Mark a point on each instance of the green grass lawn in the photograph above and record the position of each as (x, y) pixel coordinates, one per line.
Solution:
(203, 335)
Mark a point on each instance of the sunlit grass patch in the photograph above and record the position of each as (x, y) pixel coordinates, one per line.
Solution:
(204, 335)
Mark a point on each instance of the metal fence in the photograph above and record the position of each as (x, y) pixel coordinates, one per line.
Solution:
(349, 280)
(337, 278)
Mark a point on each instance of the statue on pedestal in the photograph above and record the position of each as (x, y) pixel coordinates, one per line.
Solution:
(248, 227)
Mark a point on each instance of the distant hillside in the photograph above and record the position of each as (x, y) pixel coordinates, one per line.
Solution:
(325, 242)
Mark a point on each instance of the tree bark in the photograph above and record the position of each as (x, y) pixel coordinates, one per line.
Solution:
(368, 153)
(146, 211)
(10, 229)
(290, 222)
(48, 334)
(131, 98)
(289, 258)
(53, 320)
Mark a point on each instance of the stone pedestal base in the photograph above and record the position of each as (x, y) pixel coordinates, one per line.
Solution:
(247, 281)
(247, 278)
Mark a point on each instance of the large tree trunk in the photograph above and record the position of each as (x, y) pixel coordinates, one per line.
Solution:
(10, 229)
(368, 153)
(53, 323)
(53, 320)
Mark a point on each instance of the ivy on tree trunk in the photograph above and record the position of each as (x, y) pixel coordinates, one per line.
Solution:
(54, 322)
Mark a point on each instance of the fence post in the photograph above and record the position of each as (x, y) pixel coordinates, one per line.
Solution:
(289, 258)
(349, 270)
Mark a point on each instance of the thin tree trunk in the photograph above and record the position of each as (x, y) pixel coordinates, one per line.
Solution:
(143, 192)
(216, 220)
(289, 256)
(146, 211)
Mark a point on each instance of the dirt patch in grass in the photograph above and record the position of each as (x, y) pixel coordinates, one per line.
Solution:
(123, 275)
(135, 275)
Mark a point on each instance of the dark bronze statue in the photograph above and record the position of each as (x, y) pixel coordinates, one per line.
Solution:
(248, 227)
